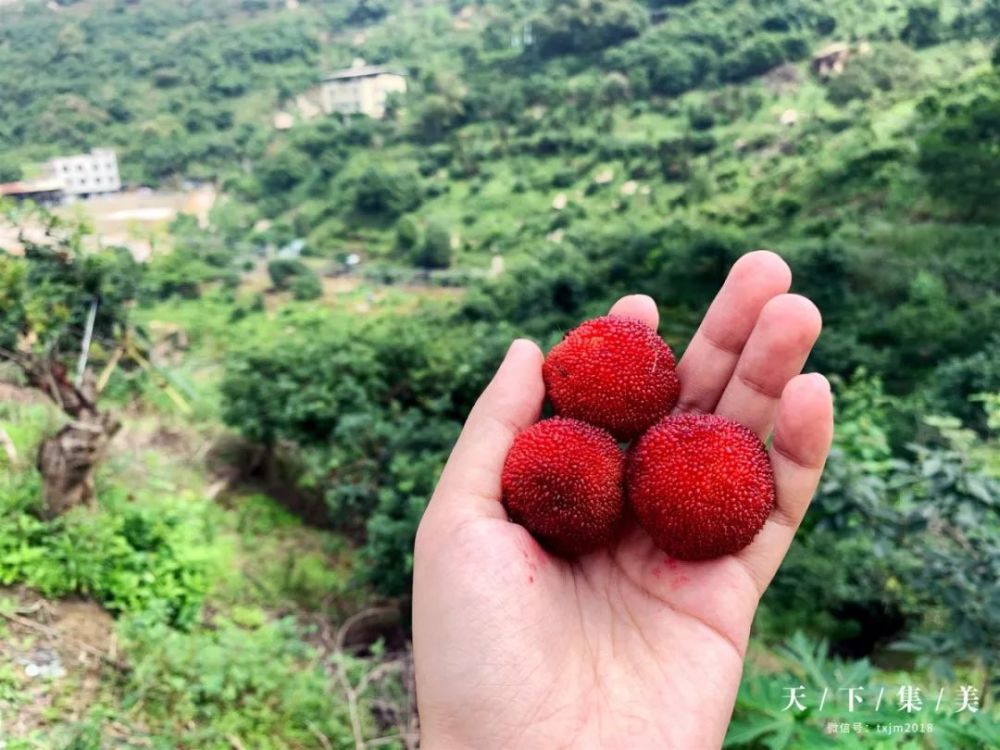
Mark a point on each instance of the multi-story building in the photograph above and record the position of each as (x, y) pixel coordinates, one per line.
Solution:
(87, 174)
(361, 89)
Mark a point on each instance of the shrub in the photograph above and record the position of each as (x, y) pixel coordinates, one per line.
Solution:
(701, 118)
(958, 156)
(664, 64)
(373, 426)
(261, 684)
(284, 270)
(130, 559)
(380, 192)
(757, 56)
(577, 26)
(923, 26)
(957, 383)
(307, 287)
(407, 235)
(435, 250)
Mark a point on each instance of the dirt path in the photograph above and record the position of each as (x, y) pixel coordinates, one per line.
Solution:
(56, 653)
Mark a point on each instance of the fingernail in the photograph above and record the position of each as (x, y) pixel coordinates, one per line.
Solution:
(821, 378)
(515, 344)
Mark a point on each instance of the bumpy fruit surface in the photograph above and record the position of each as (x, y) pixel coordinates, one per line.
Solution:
(615, 373)
(563, 482)
(701, 485)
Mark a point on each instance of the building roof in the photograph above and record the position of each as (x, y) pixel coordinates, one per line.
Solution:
(362, 71)
(102, 152)
(32, 186)
(832, 50)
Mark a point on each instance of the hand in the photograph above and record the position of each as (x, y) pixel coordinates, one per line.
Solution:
(623, 648)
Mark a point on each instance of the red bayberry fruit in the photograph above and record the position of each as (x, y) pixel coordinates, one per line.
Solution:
(615, 373)
(701, 485)
(562, 481)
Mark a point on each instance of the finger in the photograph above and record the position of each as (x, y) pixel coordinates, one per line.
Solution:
(802, 435)
(711, 357)
(470, 482)
(637, 306)
(777, 349)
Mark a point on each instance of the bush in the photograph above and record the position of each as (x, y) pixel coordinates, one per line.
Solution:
(435, 250)
(578, 26)
(130, 559)
(892, 66)
(10, 171)
(854, 83)
(283, 171)
(666, 65)
(261, 684)
(923, 26)
(757, 56)
(407, 235)
(957, 382)
(380, 192)
(307, 286)
(563, 177)
(959, 155)
(180, 273)
(701, 118)
(284, 270)
(373, 426)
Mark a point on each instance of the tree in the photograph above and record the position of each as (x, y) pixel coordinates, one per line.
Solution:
(669, 66)
(960, 157)
(758, 56)
(284, 271)
(923, 26)
(284, 171)
(372, 426)
(307, 286)
(54, 303)
(581, 26)
(381, 192)
(367, 11)
(9, 171)
(407, 235)
(952, 499)
(435, 250)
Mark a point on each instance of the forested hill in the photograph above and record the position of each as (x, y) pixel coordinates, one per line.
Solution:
(186, 89)
(583, 142)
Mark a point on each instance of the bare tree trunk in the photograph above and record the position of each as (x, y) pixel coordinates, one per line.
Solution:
(67, 462)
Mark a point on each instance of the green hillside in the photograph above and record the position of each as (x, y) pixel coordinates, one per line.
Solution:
(285, 417)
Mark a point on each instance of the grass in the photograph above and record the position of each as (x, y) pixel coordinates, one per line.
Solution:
(241, 664)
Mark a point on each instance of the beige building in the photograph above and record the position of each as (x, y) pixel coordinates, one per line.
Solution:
(361, 89)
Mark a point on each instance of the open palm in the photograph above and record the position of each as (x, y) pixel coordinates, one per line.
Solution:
(626, 647)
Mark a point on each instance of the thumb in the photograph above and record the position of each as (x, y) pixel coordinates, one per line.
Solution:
(470, 483)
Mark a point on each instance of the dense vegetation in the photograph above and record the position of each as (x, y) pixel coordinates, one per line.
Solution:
(547, 157)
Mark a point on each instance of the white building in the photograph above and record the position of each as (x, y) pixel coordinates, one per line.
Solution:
(361, 89)
(87, 174)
